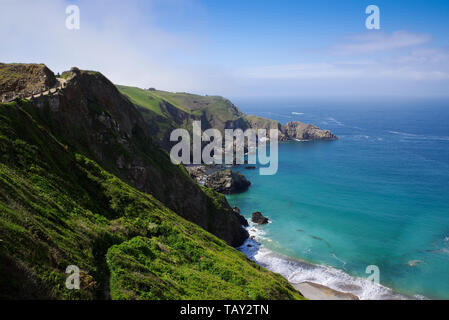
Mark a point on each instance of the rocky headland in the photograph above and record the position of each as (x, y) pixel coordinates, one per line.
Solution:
(293, 130)
(165, 111)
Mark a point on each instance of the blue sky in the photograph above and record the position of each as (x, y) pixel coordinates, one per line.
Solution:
(241, 48)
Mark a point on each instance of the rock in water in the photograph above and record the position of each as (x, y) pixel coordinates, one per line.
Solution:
(293, 130)
(301, 131)
(227, 182)
(258, 218)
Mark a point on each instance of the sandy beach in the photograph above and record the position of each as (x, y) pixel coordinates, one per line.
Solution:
(314, 291)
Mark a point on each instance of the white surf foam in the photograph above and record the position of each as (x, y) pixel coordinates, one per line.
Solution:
(333, 120)
(297, 271)
(406, 135)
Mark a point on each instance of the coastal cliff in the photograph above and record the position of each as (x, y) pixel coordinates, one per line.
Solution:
(165, 111)
(82, 183)
(107, 128)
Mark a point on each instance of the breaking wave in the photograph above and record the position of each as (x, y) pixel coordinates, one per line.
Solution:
(297, 271)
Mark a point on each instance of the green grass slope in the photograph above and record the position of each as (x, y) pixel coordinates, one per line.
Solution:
(165, 111)
(59, 208)
(143, 98)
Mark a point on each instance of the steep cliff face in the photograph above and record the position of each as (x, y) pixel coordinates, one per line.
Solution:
(92, 117)
(59, 208)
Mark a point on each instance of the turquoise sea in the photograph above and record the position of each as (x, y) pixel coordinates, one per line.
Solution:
(377, 196)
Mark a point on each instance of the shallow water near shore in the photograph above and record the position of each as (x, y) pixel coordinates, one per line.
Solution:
(378, 196)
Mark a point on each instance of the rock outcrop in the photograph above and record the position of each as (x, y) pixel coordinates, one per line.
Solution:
(198, 173)
(257, 123)
(294, 130)
(227, 182)
(18, 79)
(301, 131)
(258, 218)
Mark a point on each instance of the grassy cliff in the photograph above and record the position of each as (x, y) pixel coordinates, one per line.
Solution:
(94, 119)
(81, 183)
(164, 111)
(59, 208)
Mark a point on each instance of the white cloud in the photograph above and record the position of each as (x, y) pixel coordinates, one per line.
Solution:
(375, 67)
(376, 42)
(116, 39)
(301, 71)
(345, 70)
(375, 63)
(430, 56)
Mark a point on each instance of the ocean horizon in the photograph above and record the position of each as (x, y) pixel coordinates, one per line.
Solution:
(376, 197)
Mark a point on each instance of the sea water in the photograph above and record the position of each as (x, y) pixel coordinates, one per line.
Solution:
(379, 196)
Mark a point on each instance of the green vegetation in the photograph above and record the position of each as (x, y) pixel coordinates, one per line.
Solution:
(194, 104)
(185, 102)
(142, 98)
(59, 208)
(165, 111)
(262, 123)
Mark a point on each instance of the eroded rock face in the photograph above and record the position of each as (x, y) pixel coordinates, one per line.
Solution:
(24, 79)
(258, 218)
(227, 182)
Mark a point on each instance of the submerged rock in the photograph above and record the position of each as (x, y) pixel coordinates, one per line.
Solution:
(258, 218)
(227, 182)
